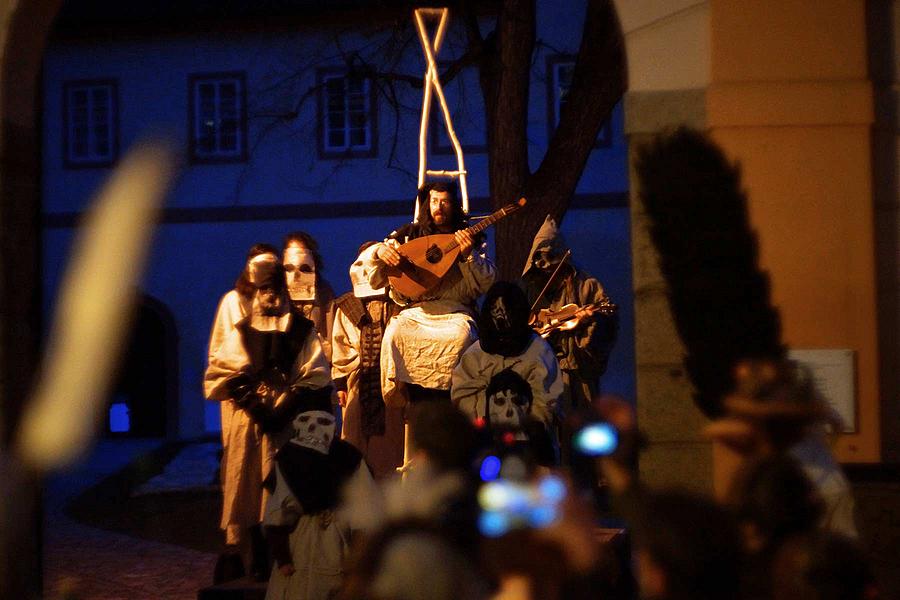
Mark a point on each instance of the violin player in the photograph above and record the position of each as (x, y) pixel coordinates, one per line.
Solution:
(584, 342)
(423, 343)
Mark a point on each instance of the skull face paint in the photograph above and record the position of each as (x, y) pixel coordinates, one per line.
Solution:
(314, 429)
(300, 273)
(506, 408)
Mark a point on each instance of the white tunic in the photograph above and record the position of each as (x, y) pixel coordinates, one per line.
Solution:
(537, 366)
(424, 342)
(247, 453)
(319, 543)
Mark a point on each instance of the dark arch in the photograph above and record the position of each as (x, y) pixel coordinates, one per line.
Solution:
(147, 380)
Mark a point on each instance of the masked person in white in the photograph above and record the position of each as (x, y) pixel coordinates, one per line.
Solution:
(510, 379)
(308, 532)
(424, 342)
(233, 307)
(359, 323)
(309, 291)
(270, 361)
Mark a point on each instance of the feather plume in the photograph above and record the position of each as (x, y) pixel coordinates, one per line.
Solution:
(708, 256)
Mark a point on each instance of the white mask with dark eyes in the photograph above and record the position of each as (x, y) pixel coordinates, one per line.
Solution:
(359, 275)
(300, 273)
(507, 409)
(500, 316)
(544, 260)
(314, 429)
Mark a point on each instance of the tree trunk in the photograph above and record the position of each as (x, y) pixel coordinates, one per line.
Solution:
(505, 77)
(598, 83)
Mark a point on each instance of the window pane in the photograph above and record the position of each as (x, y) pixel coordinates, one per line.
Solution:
(346, 118)
(89, 121)
(358, 138)
(358, 120)
(219, 114)
(335, 120)
(336, 139)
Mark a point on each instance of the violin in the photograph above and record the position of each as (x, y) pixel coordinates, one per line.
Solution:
(568, 317)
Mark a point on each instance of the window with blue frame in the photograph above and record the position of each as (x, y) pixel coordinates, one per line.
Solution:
(90, 115)
(346, 115)
(218, 117)
(559, 79)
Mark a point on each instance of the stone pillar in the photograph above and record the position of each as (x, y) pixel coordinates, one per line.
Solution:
(676, 455)
(667, 51)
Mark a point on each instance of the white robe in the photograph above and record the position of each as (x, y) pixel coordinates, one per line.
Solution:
(537, 366)
(424, 342)
(247, 453)
(319, 543)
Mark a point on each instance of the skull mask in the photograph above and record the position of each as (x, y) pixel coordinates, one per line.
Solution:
(508, 401)
(314, 429)
(300, 272)
(507, 408)
(359, 275)
(545, 260)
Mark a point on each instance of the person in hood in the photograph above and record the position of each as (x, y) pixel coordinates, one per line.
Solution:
(424, 342)
(359, 323)
(308, 531)
(510, 377)
(270, 361)
(583, 351)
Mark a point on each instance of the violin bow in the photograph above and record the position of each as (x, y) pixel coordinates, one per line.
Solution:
(549, 281)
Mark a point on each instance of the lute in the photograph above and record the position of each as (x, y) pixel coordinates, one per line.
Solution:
(425, 260)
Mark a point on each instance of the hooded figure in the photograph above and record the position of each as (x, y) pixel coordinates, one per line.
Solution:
(359, 324)
(583, 352)
(308, 532)
(424, 342)
(507, 346)
(263, 368)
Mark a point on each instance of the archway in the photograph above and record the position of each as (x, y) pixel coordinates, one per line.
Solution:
(144, 399)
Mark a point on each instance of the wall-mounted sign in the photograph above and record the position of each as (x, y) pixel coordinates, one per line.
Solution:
(834, 373)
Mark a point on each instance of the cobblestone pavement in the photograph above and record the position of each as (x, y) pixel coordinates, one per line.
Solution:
(86, 563)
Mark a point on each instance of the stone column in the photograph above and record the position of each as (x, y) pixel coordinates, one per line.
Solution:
(676, 455)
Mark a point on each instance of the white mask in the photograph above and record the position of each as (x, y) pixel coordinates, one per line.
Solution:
(260, 266)
(500, 316)
(300, 273)
(314, 429)
(359, 275)
(507, 409)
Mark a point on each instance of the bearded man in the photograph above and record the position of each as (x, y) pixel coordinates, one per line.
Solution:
(424, 342)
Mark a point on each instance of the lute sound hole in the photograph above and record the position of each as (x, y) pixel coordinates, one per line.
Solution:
(434, 254)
